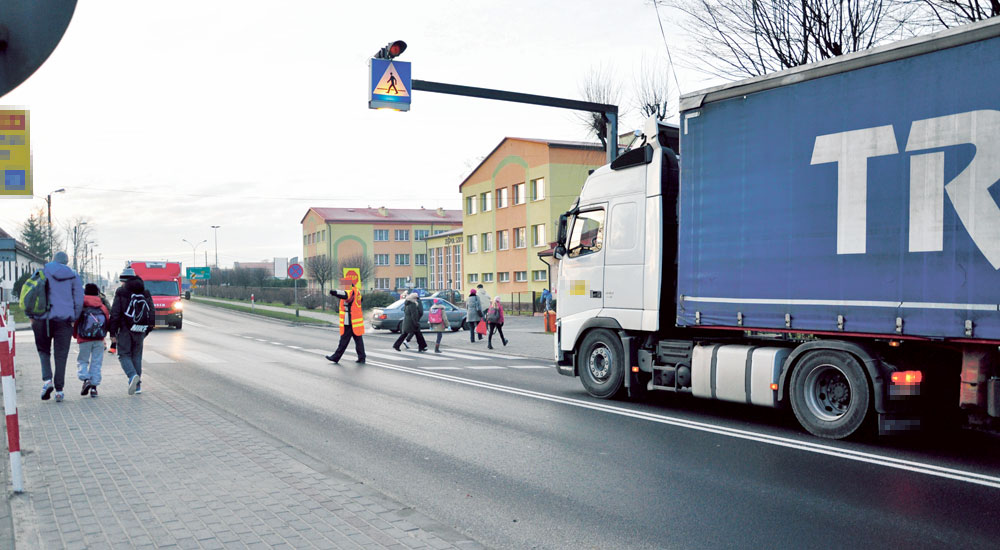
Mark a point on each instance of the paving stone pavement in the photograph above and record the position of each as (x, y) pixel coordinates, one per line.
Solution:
(164, 470)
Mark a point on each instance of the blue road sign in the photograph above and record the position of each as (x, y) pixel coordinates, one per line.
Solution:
(389, 84)
(295, 271)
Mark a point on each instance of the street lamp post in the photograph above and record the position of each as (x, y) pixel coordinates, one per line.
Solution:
(48, 203)
(76, 243)
(216, 228)
(194, 248)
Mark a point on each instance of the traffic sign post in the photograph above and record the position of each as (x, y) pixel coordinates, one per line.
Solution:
(295, 272)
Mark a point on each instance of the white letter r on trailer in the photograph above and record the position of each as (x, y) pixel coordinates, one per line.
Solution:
(851, 151)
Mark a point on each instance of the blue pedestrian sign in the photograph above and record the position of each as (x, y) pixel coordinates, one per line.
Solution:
(389, 84)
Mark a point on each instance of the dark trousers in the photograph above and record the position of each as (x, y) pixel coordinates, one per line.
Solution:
(129, 345)
(53, 334)
(472, 331)
(421, 343)
(345, 338)
(499, 329)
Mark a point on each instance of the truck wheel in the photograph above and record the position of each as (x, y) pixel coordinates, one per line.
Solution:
(178, 324)
(601, 364)
(829, 394)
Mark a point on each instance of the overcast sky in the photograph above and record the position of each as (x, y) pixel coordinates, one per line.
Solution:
(163, 119)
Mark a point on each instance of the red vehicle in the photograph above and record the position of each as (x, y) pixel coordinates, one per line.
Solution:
(163, 281)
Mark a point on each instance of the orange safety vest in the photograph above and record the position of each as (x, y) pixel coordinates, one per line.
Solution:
(357, 317)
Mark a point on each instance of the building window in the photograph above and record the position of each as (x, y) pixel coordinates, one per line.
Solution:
(381, 235)
(502, 197)
(520, 276)
(421, 234)
(519, 193)
(538, 235)
(382, 259)
(487, 277)
(470, 205)
(305, 240)
(518, 237)
(420, 259)
(539, 275)
(538, 189)
(503, 277)
(486, 201)
(400, 282)
(473, 246)
(487, 242)
(382, 283)
(473, 278)
(439, 231)
(502, 240)
(402, 259)
(421, 282)
(402, 234)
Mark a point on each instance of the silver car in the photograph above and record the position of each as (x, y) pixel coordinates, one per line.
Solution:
(391, 317)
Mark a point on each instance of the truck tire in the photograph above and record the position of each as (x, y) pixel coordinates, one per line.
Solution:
(830, 394)
(601, 364)
(178, 325)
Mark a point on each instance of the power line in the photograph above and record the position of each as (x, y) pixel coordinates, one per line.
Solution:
(670, 58)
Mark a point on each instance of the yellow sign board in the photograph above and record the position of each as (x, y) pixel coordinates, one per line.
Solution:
(15, 154)
(352, 276)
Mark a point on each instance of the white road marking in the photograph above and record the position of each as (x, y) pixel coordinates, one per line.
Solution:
(806, 446)
(477, 353)
(319, 351)
(278, 343)
(485, 367)
(464, 357)
(260, 340)
(441, 368)
(530, 367)
(388, 356)
(295, 347)
(193, 324)
(150, 356)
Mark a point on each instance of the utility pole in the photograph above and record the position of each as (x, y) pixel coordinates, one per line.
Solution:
(216, 229)
(48, 202)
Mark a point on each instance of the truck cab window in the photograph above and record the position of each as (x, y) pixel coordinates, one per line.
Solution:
(587, 236)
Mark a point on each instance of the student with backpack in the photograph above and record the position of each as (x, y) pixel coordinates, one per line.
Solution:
(494, 319)
(132, 318)
(438, 322)
(90, 330)
(53, 299)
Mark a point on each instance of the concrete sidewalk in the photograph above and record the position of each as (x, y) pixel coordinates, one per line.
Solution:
(164, 470)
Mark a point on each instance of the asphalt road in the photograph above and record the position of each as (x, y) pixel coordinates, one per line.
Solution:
(516, 456)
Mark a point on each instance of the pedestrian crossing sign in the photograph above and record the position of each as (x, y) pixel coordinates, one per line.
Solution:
(389, 84)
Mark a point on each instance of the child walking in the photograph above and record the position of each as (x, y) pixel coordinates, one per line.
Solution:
(90, 330)
(438, 322)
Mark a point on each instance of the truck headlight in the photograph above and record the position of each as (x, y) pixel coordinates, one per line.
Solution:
(178, 305)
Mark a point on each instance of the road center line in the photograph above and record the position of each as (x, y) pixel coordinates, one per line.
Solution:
(818, 448)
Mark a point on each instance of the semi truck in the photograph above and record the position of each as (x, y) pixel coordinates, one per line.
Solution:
(163, 281)
(825, 239)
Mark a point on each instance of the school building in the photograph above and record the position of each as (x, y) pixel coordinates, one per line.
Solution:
(445, 260)
(394, 239)
(511, 205)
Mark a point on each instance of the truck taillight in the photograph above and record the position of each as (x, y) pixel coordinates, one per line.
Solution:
(907, 378)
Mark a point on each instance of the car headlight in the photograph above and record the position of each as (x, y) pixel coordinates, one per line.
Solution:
(178, 305)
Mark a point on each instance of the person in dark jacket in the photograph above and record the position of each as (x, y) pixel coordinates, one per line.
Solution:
(54, 328)
(126, 334)
(411, 323)
(91, 355)
(494, 320)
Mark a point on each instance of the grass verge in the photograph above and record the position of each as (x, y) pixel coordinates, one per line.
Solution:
(263, 312)
(19, 316)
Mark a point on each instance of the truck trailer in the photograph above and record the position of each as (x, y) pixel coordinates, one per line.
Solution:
(824, 238)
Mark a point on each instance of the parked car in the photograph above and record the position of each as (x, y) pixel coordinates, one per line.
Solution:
(453, 296)
(391, 317)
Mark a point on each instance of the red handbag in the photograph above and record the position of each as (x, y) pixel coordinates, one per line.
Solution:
(481, 327)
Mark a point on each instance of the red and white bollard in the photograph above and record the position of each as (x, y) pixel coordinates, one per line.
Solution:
(10, 398)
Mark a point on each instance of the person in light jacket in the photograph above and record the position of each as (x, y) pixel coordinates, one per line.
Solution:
(484, 301)
(494, 318)
(439, 328)
(54, 329)
(473, 314)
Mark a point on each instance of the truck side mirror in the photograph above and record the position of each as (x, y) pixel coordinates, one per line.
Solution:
(559, 252)
(561, 238)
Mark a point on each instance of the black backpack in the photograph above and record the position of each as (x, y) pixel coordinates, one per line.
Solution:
(93, 323)
(138, 310)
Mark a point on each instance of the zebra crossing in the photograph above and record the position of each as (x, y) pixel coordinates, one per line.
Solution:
(451, 359)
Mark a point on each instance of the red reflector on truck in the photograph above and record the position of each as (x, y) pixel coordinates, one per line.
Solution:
(907, 378)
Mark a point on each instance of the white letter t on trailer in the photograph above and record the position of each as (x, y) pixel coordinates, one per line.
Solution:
(851, 151)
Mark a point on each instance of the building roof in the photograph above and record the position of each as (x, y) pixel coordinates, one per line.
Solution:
(386, 215)
(451, 233)
(20, 247)
(554, 143)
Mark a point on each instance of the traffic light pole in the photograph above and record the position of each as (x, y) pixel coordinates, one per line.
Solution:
(610, 112)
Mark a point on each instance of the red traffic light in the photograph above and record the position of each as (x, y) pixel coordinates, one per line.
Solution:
(391, 50)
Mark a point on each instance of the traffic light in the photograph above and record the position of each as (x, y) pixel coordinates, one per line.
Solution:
(391, 50)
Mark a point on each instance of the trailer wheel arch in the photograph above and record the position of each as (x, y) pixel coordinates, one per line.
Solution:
(876, 370)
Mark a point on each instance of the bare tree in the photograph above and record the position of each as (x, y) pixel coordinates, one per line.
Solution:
(653, 92)
(78, 232)
(321, 269)
(740, 38)
(364, 264)
(600, 86)
(952, 13)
